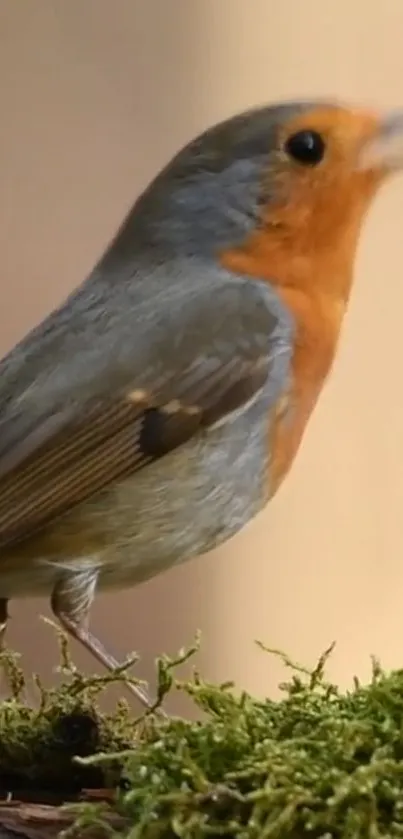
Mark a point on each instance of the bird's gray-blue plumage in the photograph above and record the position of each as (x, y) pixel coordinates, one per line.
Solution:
(155, 284)
(159, 313)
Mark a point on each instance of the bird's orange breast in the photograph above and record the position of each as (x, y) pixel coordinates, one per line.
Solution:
(317, 318)
(315, 346)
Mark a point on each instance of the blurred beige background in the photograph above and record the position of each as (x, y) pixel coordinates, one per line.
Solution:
(95, 95)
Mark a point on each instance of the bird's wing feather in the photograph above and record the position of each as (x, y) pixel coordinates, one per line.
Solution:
(208, 360)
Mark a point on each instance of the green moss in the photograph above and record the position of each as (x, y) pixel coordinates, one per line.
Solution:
(317, 763)
(38, 745)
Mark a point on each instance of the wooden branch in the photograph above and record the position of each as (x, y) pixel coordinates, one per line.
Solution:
(21, 820)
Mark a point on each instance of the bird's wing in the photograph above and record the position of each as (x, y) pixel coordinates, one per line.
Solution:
(209, 357)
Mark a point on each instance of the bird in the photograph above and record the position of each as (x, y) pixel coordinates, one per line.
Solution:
(158, 409)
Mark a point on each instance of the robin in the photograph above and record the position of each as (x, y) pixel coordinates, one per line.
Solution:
(158, 410)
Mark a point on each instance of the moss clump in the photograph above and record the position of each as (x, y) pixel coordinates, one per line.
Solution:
(317, 763)
(38, 745)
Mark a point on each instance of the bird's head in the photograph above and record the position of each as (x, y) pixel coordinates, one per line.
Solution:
(291, 180)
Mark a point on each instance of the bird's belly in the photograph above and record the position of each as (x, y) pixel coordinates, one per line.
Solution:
(183, 505)
(186, 504)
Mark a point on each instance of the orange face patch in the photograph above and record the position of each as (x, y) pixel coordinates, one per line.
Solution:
(309, 226)
(327, 201)
(344, 132)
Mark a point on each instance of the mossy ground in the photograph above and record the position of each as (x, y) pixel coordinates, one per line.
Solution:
(316, 763)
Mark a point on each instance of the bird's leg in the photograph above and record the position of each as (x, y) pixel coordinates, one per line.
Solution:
(71, 601)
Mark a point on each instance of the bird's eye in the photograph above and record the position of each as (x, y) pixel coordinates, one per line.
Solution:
(306, 147)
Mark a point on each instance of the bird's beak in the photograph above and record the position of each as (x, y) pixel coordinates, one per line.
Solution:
(384, 149)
